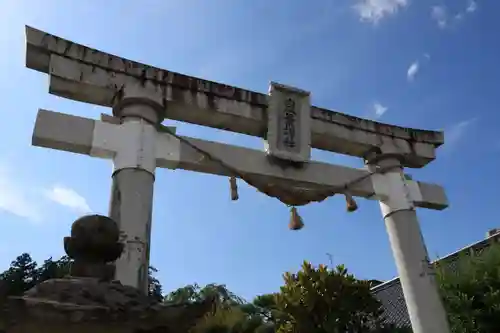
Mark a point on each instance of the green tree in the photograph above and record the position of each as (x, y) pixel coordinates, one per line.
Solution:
(51, 269)
(263, 310)
(322, 300)
(155, 288)
(21, 276)
(265, 305)
(471, 292)
(231, 314)
(234, 319)
(24, 273)
(223, 320)
(194, 293)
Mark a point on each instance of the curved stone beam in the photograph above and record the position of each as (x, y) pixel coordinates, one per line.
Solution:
(85, 74)
(98, 139)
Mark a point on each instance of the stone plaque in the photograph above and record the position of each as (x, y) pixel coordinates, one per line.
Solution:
(288, 123)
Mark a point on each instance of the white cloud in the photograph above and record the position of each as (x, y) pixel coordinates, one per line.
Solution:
(415, 66)
(22, 197)
(455, 132)
(17, 199)
(379, 109)
(472, 7)
(375, 10)
(440, 15)
(412, 70)
(68, 197)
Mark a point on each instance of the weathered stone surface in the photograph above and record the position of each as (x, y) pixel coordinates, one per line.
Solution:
(82, 300)
(94, 238)
(88, 301)
(289, 123)
(64, 303)
(85, 74)
(93, 244)
(52, 127)
(89, 298)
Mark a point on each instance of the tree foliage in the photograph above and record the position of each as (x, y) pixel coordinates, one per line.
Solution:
(155, 288)
(24, 273)
(313, 300)
(471, 292)
(194, 293)
(322, 300)
(232, 314)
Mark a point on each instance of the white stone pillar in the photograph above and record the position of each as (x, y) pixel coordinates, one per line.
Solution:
(416, 274)
(132, 189)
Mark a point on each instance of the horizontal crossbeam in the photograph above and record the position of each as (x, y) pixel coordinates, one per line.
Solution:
(85, 74)
(91, 137)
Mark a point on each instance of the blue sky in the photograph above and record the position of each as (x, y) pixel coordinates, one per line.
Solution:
(424, 64)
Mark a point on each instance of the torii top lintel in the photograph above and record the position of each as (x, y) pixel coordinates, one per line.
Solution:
(85, 74)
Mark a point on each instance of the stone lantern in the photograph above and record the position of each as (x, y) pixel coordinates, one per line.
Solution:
(89, 301)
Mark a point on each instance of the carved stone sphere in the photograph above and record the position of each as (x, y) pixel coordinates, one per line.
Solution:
(94, 239)
(97, 229)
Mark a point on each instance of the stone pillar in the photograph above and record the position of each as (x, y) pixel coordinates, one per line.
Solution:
(132, 189)
(416, 274)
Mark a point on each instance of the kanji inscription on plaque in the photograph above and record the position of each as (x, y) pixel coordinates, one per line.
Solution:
(289, 123)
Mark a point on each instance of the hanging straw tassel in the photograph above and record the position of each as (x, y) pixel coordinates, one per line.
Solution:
(351, 205)
(295, 220)
(234, 188)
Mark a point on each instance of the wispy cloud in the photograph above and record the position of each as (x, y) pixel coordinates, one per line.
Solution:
(440, 15)
(68, 197)
(412, 70)
(471, 7)
(17, 199)
(416, 65)
(379, 110)
(455, 132)
(375, 10)
(26, 200)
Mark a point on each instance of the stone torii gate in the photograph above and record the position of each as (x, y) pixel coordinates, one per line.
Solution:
(142, 96)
